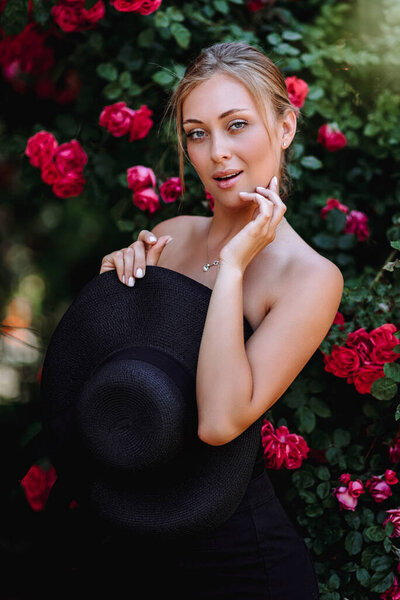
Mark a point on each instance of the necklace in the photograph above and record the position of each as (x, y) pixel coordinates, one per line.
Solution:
(215, 262)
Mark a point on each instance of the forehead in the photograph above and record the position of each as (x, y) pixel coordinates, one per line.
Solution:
(215, 96)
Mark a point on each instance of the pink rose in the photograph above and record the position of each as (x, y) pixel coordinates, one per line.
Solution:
(117, 119)
(141, 123)
(391, 477)
(331, 137)
(69, 185)
(171, 189)
(332, 203)
(95, 13)
(345, 478)
(365, 377)
(73, 16)
(297, 90)
(41, 148)
(25, 53)
(50, 173)
(357, 223)
(37, 485)
(383, 343)
(140, 177)
(282, 448)
(342, 361)
(392, 593)
(347, 496)
(147, 199)
(394, 517)
(143, 7)
(394, 450)
(378, 488)
(70, 157)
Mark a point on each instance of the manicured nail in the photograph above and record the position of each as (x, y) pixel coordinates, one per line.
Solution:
(123, 278)
(275, 180)
(169, 240)
(139, 272)
(131, 282)
(152, 238)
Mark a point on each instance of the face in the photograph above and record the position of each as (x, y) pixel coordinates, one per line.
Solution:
(225, 132)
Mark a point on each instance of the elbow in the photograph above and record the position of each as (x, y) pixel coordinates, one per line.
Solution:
(215, 436)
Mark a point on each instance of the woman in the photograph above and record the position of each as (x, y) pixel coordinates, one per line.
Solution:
(233, 110)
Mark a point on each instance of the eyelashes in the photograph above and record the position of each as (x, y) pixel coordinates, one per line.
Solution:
(191, 135)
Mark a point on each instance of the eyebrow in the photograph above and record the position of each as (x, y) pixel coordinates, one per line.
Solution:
(225, 114)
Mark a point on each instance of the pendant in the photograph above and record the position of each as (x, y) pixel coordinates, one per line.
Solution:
(208, 265)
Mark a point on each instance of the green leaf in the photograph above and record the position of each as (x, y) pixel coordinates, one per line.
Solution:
(315, 93)
(163, 78)
(384, 388)
(311, 162)
(395, 245)
(389, 528)
(323, 489)
(161, 19)
(323, 473)
(335, 221)
(375, 533)
(145, 39)
(302, 479)
(392, 370)
(346, 241)
(353, 542)
(14, 17)
(174, 14)
(107, 71)
(363, 576)
(274, 38)
(292, 36)
(320, 407)
(112, 91)
(397, 414)
(306, 419)
(314, 510)
(181, 34)
(324, 241)
(381, 563)
(333, 582)
(124, 225)
(341, 437)
(125, 79)
(382, 584)
(221, 6)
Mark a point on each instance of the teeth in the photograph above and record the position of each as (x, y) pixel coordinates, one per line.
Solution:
(229, 176)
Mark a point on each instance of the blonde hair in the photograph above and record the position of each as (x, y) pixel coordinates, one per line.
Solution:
(251, 67)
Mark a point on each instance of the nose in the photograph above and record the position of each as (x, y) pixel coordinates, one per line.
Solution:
(220, 148)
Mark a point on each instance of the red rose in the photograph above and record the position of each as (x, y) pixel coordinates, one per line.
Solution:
(391, 477)
(357, 223)
(342, 362)
(332, 203)
(95, 13)
(364, 378)
(171, 189)
(147, 199)
(255, 5)
(361, 341)
(331, 137)
(282, 448)
(25, 53)
(117, 119)
(348, 496)
(141, 123)
(50, 173)
(41, 148)
(70, 157)
(37, 485)
(383, 343)
(140, 177)
(70, 18)
(319, 456)
(297, 89)
(69, 185)
(143, 7)
(394, 450)
(339, 320)
(210, 199)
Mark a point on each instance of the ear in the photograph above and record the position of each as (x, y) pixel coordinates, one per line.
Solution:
(288, 126)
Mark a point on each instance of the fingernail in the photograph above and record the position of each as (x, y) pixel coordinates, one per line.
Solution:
(123, 278)
(169, 240)
(275, 180)
(131, 282)
(152, 238)
(139, 272)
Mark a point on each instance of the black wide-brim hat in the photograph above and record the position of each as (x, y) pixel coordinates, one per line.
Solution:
(118, 393)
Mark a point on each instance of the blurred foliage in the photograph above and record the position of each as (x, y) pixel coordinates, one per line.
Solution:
(50, 247)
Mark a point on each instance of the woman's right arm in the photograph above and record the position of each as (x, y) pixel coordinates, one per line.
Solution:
(146, 250)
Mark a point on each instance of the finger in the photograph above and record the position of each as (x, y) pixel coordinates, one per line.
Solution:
(147, 236)
(117, 258)
(129, 255)
(139, 263)
(153, 256)
(280, 206)
(265, 206)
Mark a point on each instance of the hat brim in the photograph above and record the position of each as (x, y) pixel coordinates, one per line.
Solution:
(165, 310)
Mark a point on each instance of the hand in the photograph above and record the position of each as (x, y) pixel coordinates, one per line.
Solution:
(145, 251)
(260, 231)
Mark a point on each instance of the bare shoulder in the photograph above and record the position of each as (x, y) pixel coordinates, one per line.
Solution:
(179, 225)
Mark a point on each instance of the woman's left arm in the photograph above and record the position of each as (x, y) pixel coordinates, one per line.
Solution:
(237, 383)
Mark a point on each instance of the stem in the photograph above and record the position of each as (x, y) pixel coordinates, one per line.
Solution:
(380, 272)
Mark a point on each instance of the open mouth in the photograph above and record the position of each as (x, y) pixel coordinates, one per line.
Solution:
(228, 176)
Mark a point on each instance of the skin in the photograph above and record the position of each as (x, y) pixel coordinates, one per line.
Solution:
(290, 292)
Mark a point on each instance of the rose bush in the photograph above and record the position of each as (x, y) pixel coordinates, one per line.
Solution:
(87, 161)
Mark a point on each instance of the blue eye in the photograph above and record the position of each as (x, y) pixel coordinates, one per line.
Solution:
(239, 123)
(193, 134)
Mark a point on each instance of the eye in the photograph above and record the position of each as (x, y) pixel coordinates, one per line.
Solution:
(238, 123)
(192, 134)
